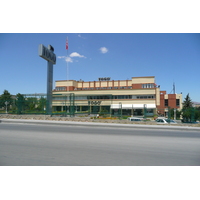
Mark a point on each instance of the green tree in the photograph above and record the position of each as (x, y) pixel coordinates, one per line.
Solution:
(178, 113)
(20, 103)
(31, 103)
(189, 112)
(6, 97)
(41, 104)
(187, 103)
(198, 113)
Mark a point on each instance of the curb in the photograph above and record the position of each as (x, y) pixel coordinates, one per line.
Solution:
(100, 124)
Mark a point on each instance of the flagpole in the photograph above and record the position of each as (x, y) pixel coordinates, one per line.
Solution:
(66, 47)
(67, 65)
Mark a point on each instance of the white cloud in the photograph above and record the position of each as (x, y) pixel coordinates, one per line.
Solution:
(79, 35)
(68, 59)
(75, 54)
(103, 50)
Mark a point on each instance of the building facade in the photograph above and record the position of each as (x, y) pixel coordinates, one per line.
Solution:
(132, 97)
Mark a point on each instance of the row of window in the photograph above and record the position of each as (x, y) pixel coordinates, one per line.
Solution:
(148, 85)
(60, 88)
(105, 88)
(107, 97)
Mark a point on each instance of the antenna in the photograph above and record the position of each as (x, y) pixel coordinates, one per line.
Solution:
(174, 88)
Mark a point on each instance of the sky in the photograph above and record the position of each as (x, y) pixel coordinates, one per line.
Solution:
(170, 57)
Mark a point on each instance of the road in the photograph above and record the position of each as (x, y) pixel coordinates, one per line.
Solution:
(55, 145)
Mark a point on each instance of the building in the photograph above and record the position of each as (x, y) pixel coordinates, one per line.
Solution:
(169, 101)
(130, 97)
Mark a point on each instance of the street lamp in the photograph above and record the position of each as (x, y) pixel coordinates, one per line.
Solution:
(174, 113)
(145, 111)
(120, 106)
(6, 103)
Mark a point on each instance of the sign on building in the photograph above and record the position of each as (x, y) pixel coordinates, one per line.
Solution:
(104, 79)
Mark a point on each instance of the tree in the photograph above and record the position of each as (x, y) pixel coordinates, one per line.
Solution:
(41, 104)
(31, 103)
(187, 103)
(6, 97)
(178, 113)
(198, 113)
(189, 112)
(20, 103)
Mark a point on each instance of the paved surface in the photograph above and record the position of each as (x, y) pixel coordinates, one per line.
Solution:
(70, 145)
(64, 123)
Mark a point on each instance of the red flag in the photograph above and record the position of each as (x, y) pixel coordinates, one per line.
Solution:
(67, 44)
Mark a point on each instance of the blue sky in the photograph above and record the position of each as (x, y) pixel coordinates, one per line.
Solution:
(168, 57)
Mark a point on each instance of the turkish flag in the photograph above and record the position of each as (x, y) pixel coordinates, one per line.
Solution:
(67, 44)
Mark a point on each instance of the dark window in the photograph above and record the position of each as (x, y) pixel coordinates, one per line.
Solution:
(166, 102)
(177, 102)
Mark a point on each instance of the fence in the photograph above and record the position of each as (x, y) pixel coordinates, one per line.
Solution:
(70, 105)
(30, 104)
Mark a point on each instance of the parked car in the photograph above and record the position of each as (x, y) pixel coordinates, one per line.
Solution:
(134, 119)
(189, 122)
(165, 121)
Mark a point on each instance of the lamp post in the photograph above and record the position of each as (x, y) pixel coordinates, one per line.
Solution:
(174, 113)
(120, 105)
(145, 111)
(6, 103)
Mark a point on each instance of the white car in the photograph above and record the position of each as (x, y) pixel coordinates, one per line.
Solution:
(165, 121)
(134, 119)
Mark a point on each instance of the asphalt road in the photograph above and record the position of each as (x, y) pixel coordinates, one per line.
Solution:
(55, 145)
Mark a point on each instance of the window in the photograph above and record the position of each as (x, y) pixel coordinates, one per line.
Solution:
(144, 97)
(80, 98)
(177, 102)
(166, 102)
(148, 85)
(60, 88)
